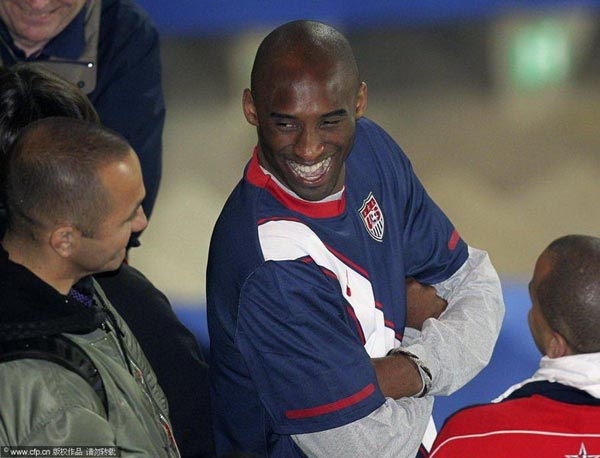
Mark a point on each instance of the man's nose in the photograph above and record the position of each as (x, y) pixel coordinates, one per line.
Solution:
(309, 146)
(140, 222)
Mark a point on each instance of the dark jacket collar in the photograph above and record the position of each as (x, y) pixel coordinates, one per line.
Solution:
(555, 391)
(29, 307)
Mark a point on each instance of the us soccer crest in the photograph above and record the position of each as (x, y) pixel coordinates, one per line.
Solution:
(372, 216)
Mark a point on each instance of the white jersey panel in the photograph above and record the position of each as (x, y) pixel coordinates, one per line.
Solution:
(285, 240)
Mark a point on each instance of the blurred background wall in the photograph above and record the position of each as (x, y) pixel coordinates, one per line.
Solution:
(497, 103)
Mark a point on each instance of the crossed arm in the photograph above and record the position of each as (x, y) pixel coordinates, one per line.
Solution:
(455, 347)
(398, 375)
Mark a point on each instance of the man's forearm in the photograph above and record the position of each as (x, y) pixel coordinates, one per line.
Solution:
(460, 343)
(465, 333)
(398, 376)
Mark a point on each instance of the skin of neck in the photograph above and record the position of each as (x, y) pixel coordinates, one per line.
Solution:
(29, 48)
(42, 261)
(30, 51)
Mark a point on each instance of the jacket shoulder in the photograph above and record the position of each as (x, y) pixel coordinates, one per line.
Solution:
(125, 17)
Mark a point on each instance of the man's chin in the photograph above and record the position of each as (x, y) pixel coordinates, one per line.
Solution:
(114, 264)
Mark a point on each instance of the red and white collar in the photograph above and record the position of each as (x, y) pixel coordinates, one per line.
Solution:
(329, 207)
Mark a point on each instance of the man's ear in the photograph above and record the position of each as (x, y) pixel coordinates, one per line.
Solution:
(557, 346)
(64, 240)
(249, 108)
(361, 101)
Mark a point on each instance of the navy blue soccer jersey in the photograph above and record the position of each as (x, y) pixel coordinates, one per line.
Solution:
(302, 294)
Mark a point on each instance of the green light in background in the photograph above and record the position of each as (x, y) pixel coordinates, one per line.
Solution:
(540, 55)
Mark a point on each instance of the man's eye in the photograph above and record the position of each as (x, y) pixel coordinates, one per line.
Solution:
(331, 122)
(286, 125)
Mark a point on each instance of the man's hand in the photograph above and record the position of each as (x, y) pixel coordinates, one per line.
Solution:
(422, 302)
(398, 375)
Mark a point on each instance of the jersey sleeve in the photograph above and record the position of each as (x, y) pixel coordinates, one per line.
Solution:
(309, 367)
(434, 247)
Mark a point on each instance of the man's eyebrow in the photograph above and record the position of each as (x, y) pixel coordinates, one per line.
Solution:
(281, 115)
(340, 112)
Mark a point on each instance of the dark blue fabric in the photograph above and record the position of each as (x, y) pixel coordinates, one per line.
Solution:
(70, 43)
(281, 337)
(128, 94)
(555, 391)
(300, 348)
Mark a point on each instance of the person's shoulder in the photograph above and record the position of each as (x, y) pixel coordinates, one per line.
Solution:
(460, 427)
(368, 131)
(242, 209)
(506, 427)
(125, 16)
(469, 417)
(374, 145)
(365, 126)
(483, 418)
(125, 10)
(129, 280)
(128, 44)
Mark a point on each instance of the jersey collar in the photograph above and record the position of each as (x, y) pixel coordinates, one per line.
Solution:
(328, 209)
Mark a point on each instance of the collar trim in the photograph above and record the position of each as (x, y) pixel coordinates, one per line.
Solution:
(256, 177)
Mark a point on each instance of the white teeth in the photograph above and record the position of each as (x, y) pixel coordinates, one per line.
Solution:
(311, 172)
(37, 14)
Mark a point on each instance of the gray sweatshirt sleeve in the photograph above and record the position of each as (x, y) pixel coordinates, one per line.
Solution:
(454, 347)
(394, 430)
(459, 344)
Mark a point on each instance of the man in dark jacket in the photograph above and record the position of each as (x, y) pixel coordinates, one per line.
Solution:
(74, 194)
(110, 49)
(30, 93)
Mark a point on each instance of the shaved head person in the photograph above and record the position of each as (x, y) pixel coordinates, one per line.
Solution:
(311, 352)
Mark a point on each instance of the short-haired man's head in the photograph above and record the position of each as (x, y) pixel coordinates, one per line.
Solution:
(28, 92)
(52, 176)
(302, 44)
(569, 295)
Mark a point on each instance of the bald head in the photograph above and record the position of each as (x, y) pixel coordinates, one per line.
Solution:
(569, 294)
(303, 46)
